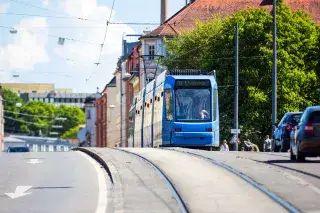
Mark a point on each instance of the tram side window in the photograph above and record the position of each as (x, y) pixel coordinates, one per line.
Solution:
(215, 104)
(168, 97)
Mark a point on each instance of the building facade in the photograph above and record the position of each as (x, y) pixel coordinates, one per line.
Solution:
(90, 110)
(58, 99)
(28, 88)
(111, 109)
(101, 120)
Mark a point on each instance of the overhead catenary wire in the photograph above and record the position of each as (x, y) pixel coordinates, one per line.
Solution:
(25, 114)
(46, 9)
(49, 35)
(106, 31)
(104, 39)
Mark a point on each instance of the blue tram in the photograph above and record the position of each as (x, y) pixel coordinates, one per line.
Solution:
(176, 110)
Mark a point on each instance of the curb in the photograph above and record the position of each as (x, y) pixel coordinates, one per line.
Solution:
(96, 157)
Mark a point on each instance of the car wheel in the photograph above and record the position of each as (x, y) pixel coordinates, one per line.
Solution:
(300, 156)
(292, 156)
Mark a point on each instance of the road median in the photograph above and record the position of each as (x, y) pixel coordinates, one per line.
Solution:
(96, 157)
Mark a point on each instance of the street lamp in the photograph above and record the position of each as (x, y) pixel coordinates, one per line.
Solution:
(274, 70)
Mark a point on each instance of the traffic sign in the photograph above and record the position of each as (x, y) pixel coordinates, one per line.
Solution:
(235, 131)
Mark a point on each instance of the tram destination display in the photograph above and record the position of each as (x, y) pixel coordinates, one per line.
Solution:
(192, 83)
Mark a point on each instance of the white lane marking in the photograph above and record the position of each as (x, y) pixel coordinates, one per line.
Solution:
(34, 161)
(102, 199)
(19, 192)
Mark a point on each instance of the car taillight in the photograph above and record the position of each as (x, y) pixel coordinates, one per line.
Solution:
(308, 128)
(288, 127)
(177, 129)
(209, 129)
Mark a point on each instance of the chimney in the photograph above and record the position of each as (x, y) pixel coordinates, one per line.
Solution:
(164, 10)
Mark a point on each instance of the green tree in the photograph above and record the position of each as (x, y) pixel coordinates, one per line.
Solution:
(74, 117)
(71, 133)
(211, 46)
(37, 116)
(10, 101)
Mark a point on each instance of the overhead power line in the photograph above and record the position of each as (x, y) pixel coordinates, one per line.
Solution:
(49, 35)
(46, 9)
(104, 39)
(19, 113)
(71, 17)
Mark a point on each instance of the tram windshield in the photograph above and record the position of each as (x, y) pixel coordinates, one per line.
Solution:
(193, 104)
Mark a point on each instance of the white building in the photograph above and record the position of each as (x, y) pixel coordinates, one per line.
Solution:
(69, 99)
(91, 115)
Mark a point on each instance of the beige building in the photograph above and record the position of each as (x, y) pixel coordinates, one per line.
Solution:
(33, 88)
(1, 123)
(28, 88)
(117, 108)
(112, 110)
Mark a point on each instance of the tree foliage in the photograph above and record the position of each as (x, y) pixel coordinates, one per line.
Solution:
(71, 133)
(34, 117)
(211, 47)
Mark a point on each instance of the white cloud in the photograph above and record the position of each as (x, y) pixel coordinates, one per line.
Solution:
(45, 3)
(27, 48)
(79, 8)
(90, 52)
(4, 7)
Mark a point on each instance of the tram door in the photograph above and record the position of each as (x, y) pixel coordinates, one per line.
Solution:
(167, 117)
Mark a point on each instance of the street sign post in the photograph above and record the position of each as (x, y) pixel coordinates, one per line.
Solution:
(235, 131)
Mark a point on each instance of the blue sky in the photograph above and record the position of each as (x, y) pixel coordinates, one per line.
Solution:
(34, 54)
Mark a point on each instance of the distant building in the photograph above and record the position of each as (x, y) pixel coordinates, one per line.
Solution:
(28, 88)
(91, 115)
(38, 144)
(69, 99)
(1, 123)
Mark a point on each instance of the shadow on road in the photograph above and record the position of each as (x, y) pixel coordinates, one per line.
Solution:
(53, 187)
(279, 162)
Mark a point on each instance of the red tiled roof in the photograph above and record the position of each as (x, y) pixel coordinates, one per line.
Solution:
(204, 9)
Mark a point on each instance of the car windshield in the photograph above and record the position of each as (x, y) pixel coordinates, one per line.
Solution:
(193, 104)
(294, 119)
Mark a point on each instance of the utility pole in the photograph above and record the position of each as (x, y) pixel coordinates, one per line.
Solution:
(274, 73)
(236, 90)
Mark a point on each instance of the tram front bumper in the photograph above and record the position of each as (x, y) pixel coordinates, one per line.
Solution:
(194, 139)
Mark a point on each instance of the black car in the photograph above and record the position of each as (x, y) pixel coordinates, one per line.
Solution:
(18, 149)
(282, 133)
(306, 142)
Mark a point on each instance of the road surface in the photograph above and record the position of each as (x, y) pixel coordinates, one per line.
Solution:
(64, 182)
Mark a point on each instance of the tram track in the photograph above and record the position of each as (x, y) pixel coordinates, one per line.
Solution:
(175, 193)
(288, 206)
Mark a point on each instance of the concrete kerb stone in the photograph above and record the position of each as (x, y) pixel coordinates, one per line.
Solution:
(96, 157)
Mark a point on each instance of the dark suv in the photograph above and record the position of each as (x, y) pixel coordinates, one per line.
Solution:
(282, 133)
(306, 141)
(18, 149)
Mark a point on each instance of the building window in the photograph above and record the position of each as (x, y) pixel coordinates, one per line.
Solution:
(34, 91)
(151, 52)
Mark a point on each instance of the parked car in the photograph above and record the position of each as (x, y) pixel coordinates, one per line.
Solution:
(18, 149)
(306, 136)
(281, 135)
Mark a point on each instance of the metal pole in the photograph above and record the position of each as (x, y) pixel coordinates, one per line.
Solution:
(236, 90)
(274, 71)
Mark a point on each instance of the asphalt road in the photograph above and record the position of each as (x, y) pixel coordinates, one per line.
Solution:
(296, 183)
(64, 182)
(205, 187)
(137, 186)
